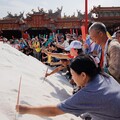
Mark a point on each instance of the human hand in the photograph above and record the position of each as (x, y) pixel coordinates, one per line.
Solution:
(85, 45)
(47, 74)
(46, 52)
(22, 109)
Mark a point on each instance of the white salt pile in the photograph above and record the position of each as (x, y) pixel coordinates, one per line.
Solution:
(34, 91)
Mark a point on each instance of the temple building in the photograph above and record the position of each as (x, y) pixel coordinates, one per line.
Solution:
(110, 16)
(41, 22)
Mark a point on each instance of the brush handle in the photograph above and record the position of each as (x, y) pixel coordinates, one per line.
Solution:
(18, 97)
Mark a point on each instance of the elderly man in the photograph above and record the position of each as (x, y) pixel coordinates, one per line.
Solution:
(110, 59)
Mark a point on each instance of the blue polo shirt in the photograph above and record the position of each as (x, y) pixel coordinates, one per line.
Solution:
(100, 98)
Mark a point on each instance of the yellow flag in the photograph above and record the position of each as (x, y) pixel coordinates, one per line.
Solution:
(49, 58)
(109, 36)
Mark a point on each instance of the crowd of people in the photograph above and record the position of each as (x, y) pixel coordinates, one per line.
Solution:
(92, 67)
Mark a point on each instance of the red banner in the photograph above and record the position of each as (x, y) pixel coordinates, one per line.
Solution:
(83, 32)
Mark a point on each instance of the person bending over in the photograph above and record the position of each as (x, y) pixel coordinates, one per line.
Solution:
(99, 96)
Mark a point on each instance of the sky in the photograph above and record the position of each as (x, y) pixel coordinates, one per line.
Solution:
(34, 89)
(69, 6)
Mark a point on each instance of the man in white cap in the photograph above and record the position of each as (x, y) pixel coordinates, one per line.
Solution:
(75, 49)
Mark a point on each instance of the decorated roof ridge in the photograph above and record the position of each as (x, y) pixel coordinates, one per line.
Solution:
(99, 8)
(15, 16)
(49, 14)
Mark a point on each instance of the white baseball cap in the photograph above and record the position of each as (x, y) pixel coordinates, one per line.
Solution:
(74, 44)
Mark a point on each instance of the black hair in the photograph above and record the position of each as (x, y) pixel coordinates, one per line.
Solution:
(70, 41)
(99, 26)
(80, 51)
(85, 63)
(52, 44)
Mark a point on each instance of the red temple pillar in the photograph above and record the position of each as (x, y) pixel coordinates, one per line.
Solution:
(86, 16)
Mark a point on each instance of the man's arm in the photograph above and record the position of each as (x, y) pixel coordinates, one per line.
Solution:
(57, 55)
(59, 46)
(55, 70)
(47, 111)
